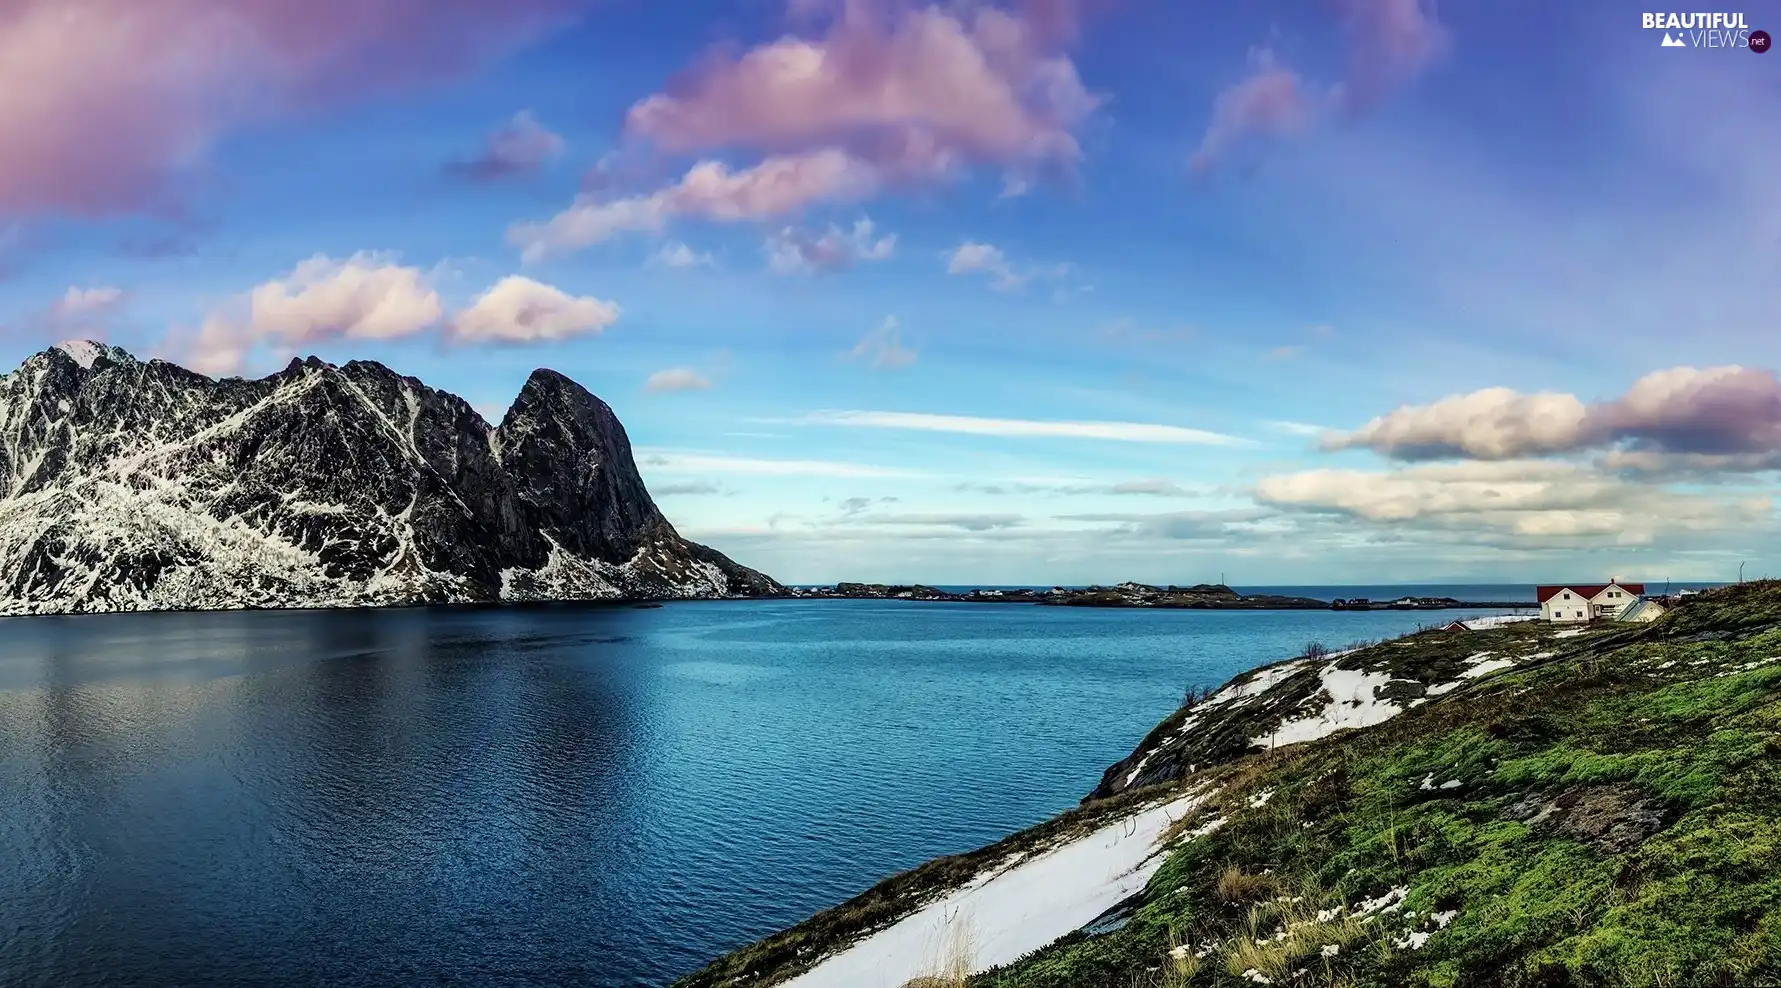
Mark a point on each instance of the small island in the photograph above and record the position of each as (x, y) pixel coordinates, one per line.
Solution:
(1204, 596)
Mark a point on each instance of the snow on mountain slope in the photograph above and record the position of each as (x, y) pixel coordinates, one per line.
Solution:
(133, 485)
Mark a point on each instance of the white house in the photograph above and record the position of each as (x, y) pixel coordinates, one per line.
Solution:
(1643, 611)
(1580, 602)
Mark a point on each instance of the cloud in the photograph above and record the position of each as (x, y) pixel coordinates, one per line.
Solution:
(676, 379)
(1298, 428)
(678, 462)
(709, 190)
(110, 103)
(520, 147)
(967, 522)
(1284, 352)
(1389, 43)
(1151, 488)
(83, 302)
(971, 257)
(879, 96)
(1023, 428)
(1271, 102)
(367, 296)
(1178, 525)
(1523, 498)
(1155, 487)
(1729, 416)
(1492, 424)
(373, 296)
(795, 251)
(675, 254)
(690, 487)
(519, 310)
(883, 348)
(911, 89)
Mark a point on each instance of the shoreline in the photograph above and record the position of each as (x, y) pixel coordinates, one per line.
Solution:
(1213, 597)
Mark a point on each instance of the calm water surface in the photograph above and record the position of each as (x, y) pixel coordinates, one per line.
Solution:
(577, 796)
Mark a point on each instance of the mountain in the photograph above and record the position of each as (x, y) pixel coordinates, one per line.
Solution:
(139, 485)
(1528, 805)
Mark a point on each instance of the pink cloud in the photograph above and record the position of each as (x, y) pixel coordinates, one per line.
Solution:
(519, 147)
(1390, 42)
(1271, 102)
(109, 102)
(912, 89)
(1683, 419)
(710, 190)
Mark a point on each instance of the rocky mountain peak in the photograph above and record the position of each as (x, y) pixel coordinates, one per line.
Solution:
(133, 485)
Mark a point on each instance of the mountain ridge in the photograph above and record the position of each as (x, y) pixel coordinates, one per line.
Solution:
(141, 485)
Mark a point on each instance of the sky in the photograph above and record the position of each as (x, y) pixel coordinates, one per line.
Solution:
(974, 291)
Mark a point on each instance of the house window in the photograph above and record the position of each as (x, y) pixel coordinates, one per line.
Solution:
(1567, 596)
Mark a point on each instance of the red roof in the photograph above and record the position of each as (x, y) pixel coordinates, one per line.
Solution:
(1585, 590)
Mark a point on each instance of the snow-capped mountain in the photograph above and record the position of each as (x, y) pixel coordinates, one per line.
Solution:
(140, 485)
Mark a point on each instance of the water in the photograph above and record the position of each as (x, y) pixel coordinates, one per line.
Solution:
(574, 796)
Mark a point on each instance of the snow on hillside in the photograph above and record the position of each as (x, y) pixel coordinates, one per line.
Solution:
(1004, 915)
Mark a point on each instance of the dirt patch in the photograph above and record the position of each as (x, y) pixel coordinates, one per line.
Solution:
(1615, 819)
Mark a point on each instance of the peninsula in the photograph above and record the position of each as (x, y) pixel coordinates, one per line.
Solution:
(1204, 596)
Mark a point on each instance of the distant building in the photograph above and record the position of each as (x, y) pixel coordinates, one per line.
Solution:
(1644, 611)
(1581, 602)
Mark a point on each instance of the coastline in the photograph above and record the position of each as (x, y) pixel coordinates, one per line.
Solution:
(1203, 596)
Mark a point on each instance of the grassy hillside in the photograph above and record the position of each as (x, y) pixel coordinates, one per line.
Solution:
(1605, 812)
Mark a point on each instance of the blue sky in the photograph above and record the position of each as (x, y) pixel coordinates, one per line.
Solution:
(1093, 361)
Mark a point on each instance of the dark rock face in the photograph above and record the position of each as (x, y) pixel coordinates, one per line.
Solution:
(1614, 818)
(128, 485)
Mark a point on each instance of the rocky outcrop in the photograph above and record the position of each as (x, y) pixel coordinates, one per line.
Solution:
(139, 485)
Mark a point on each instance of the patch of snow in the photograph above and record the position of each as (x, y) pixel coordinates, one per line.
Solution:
(1387, 901)
(1260, 682)
(1451, 784)
(1414, 940)
(1572, 633)
(1497, 621)
(1008, 914)
(84, 352)
(1428, 781)
(1488, 667)
(1260, 799)
(1443, 918)
(1353, 703)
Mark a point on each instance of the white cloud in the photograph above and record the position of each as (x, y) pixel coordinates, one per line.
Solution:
(777, 186)
(676, 254)
(519, 310)
(79, 302)
(971, 257)
(667, 461)
(1141, 432)
(366, 296)
(796, 251)
(371, 296)
(1528, 498)
(676, 379)
(1493, 424)
(1299, 428)
(883, 347)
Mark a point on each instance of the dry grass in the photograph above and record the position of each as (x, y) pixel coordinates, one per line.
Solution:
(1285, 935)
(954, 956)
(1237, 885)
